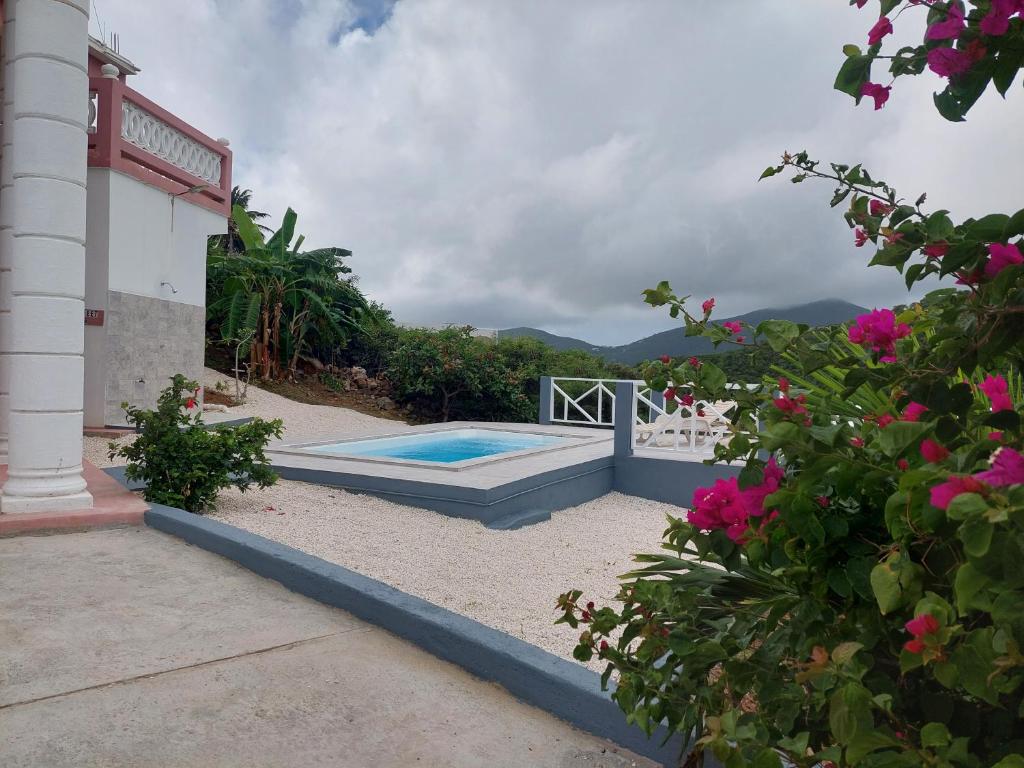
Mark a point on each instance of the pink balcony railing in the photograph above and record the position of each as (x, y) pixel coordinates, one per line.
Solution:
(131, 134)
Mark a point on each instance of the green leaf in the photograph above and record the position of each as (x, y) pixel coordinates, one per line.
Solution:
(968, 583)
(851, 50)
(895, 582)
(1015, 226)
(966, 506)
(900, 435)
(939, 226)
(850, 712)
(768, 172)
(845, 652)
(712, 377)
(252, 237)
(976, 534)
(852, 75)
(935, 735)
(779, 333)
(988, 228)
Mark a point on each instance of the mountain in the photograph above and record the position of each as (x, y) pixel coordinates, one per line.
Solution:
(674, 343)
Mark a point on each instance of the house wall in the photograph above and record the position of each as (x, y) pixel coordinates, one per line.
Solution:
(138, 238)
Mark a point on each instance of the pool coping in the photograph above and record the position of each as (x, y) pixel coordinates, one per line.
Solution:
(302, 448)
(563, 688)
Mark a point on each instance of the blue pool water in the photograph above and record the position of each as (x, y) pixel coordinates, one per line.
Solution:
(442, 447)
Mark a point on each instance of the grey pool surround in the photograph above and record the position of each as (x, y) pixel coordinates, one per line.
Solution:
(502, 491)
(563, 688)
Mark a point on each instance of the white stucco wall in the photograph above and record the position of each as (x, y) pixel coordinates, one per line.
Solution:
(138, 237)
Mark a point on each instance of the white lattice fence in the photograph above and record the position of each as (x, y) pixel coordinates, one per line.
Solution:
(147, 132)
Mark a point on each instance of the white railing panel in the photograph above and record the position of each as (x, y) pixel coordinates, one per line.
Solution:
(150, 133)
(594, 407)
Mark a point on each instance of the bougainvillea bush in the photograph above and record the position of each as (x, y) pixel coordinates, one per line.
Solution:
(856, 595)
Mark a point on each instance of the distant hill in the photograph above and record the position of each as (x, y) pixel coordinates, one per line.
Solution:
(674, 343)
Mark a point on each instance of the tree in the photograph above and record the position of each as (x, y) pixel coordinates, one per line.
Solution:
(288, 302)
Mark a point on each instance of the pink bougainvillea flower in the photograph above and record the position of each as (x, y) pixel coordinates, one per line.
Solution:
(861, 3)
(949, 62)
(933, 452)
(944, 493)
(793, 406)
(1007, 468)
(190, 403)
(936, 250)
(995, 436)
(859, 237)
(882, 28)
(732, 326)
(878, 208)
(884, 420)
(879, 331)
(670, 394)
(876, 91)
(923, 629)
(720, 507)
(740, 339)
(694, 362)
(922, 625)
(754, 496)
(895, 237)
(665, 359)
(1000, 257)
(969, 278)
(783, 384)
(707, 306)
(997, 391)
(997, 21)
(903, 464)
(951, 27)
(914, 411)
(686, 399)
(857, 442)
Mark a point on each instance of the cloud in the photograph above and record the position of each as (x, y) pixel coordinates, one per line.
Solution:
(538, 163)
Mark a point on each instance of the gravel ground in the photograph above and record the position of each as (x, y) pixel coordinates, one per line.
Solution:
(300, 419)
(508, 580)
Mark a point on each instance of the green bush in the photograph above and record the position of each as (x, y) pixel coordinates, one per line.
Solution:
(184, 464)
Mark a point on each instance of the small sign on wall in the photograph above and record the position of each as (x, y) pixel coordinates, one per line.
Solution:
(94, 317)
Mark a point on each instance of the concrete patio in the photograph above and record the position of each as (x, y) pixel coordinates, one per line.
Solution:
(127, 647)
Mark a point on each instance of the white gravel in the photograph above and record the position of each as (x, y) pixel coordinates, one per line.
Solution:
(508, 580)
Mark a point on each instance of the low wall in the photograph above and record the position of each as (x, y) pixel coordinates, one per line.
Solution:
(668, 480)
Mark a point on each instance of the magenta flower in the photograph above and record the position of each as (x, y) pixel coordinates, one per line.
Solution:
(933, 452)
(707, 306)
(914, 411)
(951, 28)
(694, 362)
(936, 250)
(857, 442)
(949, 62)
(878, 92)
(997, 21)
(1000, 257)
(754, 497)
(944, 493)
(879, 331)
(859, 237)
(720, 507)
(882, 28)
(997, 391)
(878, 208)
(732, 326)
(1007, 468)
(920, 628)
(861, 3)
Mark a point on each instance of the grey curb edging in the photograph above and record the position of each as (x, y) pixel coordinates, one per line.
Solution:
(567, 690)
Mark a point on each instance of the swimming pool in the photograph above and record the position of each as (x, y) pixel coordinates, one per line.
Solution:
(442, 447)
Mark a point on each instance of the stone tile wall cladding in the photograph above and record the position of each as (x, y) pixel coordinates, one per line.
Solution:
(148, 341)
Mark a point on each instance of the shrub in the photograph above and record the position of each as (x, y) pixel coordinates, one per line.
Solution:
(856, 598)
(184, 464)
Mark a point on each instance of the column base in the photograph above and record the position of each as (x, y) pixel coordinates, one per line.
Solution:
(12, 505)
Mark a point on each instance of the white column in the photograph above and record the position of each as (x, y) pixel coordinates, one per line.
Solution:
(48, 161)
(6, 234)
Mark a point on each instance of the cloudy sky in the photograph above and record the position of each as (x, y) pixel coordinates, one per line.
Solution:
(540, 162)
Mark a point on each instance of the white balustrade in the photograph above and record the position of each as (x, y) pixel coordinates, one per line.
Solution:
(93, 103)
(594, 407)
(149, 133)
